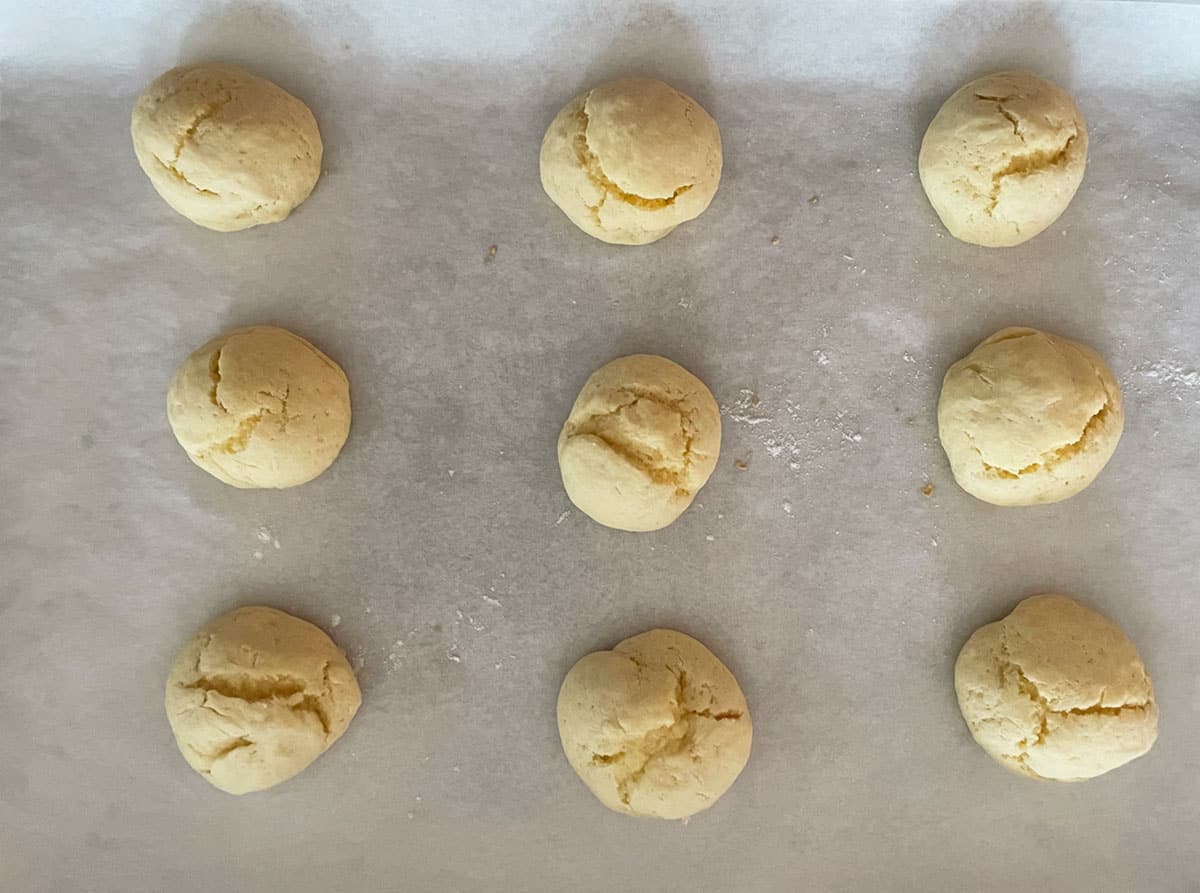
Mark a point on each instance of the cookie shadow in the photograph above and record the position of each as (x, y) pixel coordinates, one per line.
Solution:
(971, 41)
(275, 42)
(654, 41)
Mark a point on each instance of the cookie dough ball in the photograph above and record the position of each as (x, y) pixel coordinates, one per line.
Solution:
(1056, 691)
(226, 149)
(256, 696)
(260, 407)
(1028, 418)
(630, 160)
(641, 440)
(656, 727)
(1003, 157)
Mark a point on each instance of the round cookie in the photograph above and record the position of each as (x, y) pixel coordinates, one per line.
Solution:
(260, 407)
(224, 148)
(256, 696)
(630, 160)
(1028, 417)
(1003, 157)
(656, 727)
(1056, 691)
(642, 438)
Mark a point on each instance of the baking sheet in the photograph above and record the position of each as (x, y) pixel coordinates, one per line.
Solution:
(440, 550)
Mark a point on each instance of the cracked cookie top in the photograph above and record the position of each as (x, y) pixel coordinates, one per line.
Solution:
(657, 726)
(630, 160)
(260, 407)
(641, 440)
(226, 149)
(1003, 157)
(1056, 691)
(256, 696)
(1028, 417)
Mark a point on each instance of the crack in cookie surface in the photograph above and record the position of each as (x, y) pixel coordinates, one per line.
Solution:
(591, 165)
(633, 759)
(607, 428)
(1010, 668)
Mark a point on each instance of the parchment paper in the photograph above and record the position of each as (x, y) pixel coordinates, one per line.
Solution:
(440, 550)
